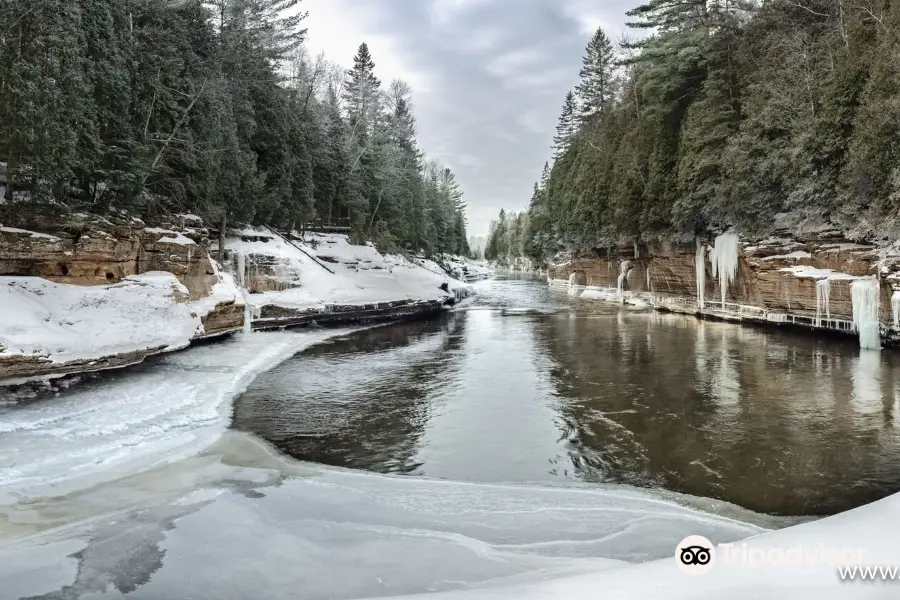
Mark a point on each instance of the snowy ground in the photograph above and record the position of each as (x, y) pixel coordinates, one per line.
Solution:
(61, 323)
(362, 275)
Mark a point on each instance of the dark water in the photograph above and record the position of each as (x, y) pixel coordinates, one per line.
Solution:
(530, 385)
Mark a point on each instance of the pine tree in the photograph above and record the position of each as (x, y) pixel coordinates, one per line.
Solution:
(46, 108)
(598, 86)
(567, 126)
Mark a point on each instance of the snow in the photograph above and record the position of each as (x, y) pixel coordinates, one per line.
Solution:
(33, 234)
(171, 237)
(593, 293)
(179, 239)
(63, 323)
(700, 270)
(797, 255)
(814, 273)
(724, 258)
(864, 298)
(224, 291)
(134, 419)
(823, 293)
(361, 275)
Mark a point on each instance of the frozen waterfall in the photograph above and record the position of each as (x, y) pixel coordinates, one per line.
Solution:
(823, 292)
(895, 308)
(700, 268)
(864, 298)
(620, 284)
(724, 259)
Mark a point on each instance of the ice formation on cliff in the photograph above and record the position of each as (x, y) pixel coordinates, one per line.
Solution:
(724, 259)
(700, 268)
(895, 308)
(864, 299)
(823, 293)
(620, 283)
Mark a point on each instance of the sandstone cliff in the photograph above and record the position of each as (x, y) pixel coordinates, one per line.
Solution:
(94, 266)
(795, 279)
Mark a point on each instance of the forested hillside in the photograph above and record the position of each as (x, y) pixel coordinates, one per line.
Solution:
(724, 114)
(215, 108)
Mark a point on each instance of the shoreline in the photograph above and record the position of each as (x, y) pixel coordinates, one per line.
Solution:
(740, 314)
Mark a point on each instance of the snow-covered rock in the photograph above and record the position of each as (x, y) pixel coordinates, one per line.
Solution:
(325, 272)
(54, 328)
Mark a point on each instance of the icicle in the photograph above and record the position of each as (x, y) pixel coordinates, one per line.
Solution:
(864, 299)
(895, 308)
(241, 269)
(700, 269)
(724, 258)
(620, 284)
(823, 291)
(636, 253)
(571, 279)
(248, 316)
(649, 289)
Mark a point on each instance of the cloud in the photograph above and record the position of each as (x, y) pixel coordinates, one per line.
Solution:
(488, 77)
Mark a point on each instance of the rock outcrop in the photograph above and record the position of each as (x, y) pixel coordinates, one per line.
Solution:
(88, 250)
(800, 280)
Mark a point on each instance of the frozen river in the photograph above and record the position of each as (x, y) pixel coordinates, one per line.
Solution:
(527, 437)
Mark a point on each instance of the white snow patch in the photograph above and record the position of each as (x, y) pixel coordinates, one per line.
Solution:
(814, 273)
(63, 322)
(798, 255)
(33, 234)
(724, 258)
(864, 299)
(179, 239)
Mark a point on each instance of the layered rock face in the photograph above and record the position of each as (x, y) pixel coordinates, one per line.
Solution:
(802, 280)
(98, 262)
(82, 249)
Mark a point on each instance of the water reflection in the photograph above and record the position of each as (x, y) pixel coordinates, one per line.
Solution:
(549, 388)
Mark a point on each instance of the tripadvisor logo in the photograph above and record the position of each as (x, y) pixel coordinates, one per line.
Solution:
(695, 555)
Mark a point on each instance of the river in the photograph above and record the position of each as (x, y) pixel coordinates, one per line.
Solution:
(528, 435)
(529, 385)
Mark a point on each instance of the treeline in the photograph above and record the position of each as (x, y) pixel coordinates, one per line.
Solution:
(730, 114)
(211, 107)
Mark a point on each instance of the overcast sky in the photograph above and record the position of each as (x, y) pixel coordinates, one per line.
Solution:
(488, 77)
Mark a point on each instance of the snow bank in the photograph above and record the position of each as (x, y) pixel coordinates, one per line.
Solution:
(868, 528)
(64, 323)
(361, 275)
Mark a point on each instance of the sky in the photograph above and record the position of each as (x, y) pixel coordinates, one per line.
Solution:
(488, 77)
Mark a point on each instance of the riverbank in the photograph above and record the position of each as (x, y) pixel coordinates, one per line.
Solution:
(820, 282)
(89, 293)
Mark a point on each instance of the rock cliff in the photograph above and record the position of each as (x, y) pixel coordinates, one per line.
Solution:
(85, 251)
(803, 280)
